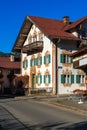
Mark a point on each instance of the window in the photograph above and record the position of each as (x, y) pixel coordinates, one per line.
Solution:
(39, 61)
(47, 79)
(65, 58)
(39, 79)
(25, 63)
(47, 59)
(34, 38)
(80, 79)
(32, 62)
(41, 37)
(67, 79)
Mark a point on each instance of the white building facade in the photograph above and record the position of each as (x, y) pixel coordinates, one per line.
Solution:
(46, 59)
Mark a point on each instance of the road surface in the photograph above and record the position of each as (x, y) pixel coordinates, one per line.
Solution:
(31, 114)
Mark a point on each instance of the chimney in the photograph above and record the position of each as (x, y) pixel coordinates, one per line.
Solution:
(11, 58)
(66, 19)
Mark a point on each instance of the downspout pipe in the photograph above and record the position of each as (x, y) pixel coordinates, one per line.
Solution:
(56, 66)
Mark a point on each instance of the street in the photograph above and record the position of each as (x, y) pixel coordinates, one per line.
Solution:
(31, 114)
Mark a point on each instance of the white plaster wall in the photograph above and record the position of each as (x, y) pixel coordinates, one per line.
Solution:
(47, 46)
(64, 45)
(61, 88)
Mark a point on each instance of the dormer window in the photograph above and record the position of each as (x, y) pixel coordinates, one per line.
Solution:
(41, 37)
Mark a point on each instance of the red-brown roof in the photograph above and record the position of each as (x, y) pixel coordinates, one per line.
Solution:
(7, 64)
(75, 24)
(52, 28)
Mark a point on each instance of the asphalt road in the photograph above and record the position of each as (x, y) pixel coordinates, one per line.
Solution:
(31, 114)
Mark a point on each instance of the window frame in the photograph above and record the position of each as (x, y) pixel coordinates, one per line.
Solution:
(67, 78)
(47, 78)
(64, 58)
(47, 59)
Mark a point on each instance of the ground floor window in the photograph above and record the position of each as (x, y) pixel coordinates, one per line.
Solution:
(67, 79)
(47, 78)
(80, 79)
(39, 79)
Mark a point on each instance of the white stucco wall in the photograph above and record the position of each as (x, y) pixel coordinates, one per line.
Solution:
(47, 46)
(61, 88)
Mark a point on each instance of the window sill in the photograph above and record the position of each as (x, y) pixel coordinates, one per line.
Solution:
(47, 65)
(39, 66)
(67, 64)
(82, 85)
(67, 85)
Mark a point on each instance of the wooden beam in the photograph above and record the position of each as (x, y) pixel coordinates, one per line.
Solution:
(23, 35)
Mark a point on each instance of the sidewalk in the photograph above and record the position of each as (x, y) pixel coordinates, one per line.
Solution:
(62, 101)
(68, 104)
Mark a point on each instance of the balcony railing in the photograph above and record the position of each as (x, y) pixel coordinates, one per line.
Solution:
(32, 48)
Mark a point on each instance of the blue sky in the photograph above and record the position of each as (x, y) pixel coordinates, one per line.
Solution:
(13, 13)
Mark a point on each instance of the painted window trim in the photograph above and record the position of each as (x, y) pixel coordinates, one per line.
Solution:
(47, 59)
(64, 58)
(67, 80)
(80, 79)
(48, 80)
(39, 79)
(25, 64)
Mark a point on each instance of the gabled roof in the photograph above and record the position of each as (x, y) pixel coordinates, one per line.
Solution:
(51, 28)
(75, 24)
(7, 64)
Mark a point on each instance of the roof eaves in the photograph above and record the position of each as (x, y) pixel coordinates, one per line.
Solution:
(21, 35)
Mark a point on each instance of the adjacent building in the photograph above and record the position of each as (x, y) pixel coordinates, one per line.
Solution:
(46, 46)
(9, 66)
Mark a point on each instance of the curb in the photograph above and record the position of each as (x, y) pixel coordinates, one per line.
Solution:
(71, 108)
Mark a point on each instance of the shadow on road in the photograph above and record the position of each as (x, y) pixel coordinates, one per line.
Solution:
(9, 122)
(59, 126)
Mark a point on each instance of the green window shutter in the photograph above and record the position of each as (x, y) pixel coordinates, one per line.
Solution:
(26, 63)
(77, 79)
(23, 64)
(31, 63)
(72, 78)
(40, 60)
(49, 58)
(40, 79)
(44, 59)
(71, 58)
(62, 78)
(36, 79)
(36, 61)
(62, 58)
(44, 78)
(49, 78)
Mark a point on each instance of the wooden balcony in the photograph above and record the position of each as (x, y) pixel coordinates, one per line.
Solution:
(82, 63)
(33, 48)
